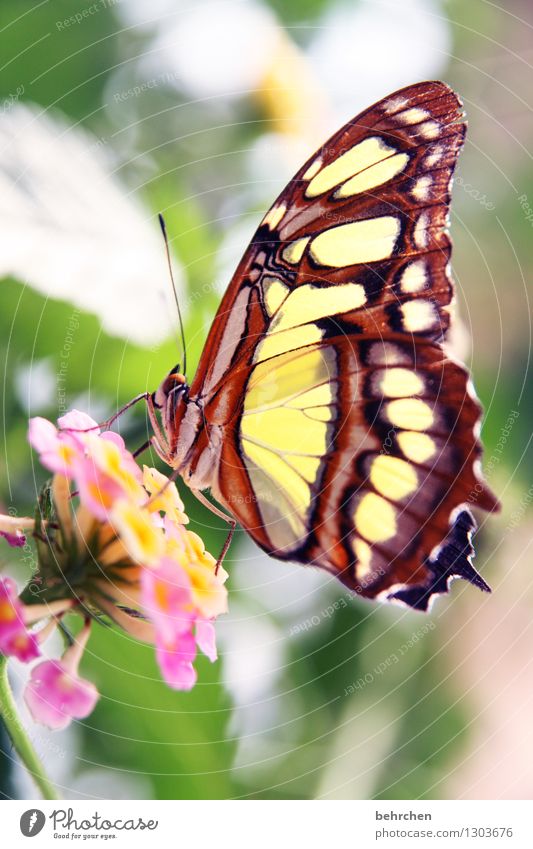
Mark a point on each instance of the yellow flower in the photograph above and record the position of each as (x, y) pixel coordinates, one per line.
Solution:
(143, 540)
(111, 540)
(164, 496)
(207, 584)
(208, 590)
(110, 460)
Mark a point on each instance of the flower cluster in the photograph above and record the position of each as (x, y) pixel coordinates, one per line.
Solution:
(111, 541)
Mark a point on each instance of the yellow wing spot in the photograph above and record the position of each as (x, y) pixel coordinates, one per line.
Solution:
(276, 467)
(274, 293)
(279, 343)
(414, 277)
(286, 526)
(317, 403)
(450, 184)
(413, 116)
(306, 466)
(289, 378)
(363, 552)
(421, 233)
(274, 216)
(433, 157)
(363, 241)
(283, 496)
(429, 130)
(418, 447)
(309, 303)
(394, 105)
(418, 315)
(401, 383)
(313, 169)
(385, 354)
(375, 518)
(410, 414)
(422, 188)
(286, 430)
(294, 251)
(320, 414)
(393, 477)
(374, 176)
(358, 158)
(282, 447)
(313, 397)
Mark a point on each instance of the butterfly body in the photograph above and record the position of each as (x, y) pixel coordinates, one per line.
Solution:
(325, 415)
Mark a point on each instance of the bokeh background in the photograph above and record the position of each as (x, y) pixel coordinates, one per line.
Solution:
(113, 110)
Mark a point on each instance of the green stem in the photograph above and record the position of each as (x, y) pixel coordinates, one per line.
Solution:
(19, 736)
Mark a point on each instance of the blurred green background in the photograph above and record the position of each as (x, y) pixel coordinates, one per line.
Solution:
(112, 111)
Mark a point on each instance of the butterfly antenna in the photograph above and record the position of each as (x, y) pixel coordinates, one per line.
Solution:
(169, 263)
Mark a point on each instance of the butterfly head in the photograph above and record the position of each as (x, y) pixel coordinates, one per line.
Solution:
(172, 390)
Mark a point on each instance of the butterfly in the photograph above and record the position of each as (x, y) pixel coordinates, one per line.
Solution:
(325, 415)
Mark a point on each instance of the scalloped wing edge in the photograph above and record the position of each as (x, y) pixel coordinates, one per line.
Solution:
(451, 560)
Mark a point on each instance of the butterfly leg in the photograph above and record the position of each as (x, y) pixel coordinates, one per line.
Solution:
(142, 448)
(144, 396)
(159, 440)
(220, 513)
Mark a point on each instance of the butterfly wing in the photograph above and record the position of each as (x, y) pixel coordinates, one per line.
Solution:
(349, 437)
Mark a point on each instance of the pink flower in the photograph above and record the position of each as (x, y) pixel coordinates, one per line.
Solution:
(98, 492)
(12, 529)
(16, 540)
(175, 658)
(15, 639)
(102, 468)
(205, 638)
(59, 449)
(168, 602)
(75, 420)
(55, 693)
(157, 581)
(23, 645)
(8, 596)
